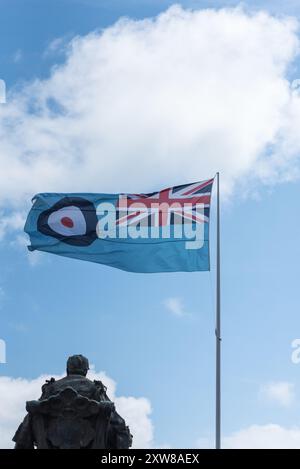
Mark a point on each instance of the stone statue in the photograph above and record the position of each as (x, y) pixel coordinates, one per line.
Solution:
(73, 413)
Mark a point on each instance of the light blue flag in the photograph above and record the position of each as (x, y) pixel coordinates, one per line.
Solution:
(165, 231)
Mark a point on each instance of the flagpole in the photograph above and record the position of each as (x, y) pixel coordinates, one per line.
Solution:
(218, 327)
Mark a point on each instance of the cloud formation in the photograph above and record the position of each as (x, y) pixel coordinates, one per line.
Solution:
(269, 436)
(155, 102)
(11, 222)
(280, 392)
(175, 306)
(14, 392)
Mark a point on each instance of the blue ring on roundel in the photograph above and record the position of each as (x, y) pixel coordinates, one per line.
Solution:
(81, 212)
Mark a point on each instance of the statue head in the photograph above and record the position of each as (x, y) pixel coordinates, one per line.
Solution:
(77, 365)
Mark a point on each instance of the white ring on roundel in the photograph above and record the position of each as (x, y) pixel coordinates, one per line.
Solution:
(68, 221)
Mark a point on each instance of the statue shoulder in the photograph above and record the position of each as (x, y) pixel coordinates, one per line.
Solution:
(100, 393)
(47, 385)
(100, 386)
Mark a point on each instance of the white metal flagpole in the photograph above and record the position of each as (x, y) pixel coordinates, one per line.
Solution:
(218, 327)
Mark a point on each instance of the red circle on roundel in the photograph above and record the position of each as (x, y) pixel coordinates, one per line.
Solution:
(67, 222)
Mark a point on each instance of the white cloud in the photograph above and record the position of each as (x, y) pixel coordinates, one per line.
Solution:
(161, 101)
(136, 413)
(11, 222)
(280, 392)
(21, 241)
(14, 392)
(175, 306)
(57, 46)
(267, 436)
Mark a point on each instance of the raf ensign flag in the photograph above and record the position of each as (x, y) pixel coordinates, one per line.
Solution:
(165, 231)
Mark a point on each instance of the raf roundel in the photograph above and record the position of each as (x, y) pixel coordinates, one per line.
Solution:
(72, 220)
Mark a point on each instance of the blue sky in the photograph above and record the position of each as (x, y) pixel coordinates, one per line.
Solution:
(53, 307)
